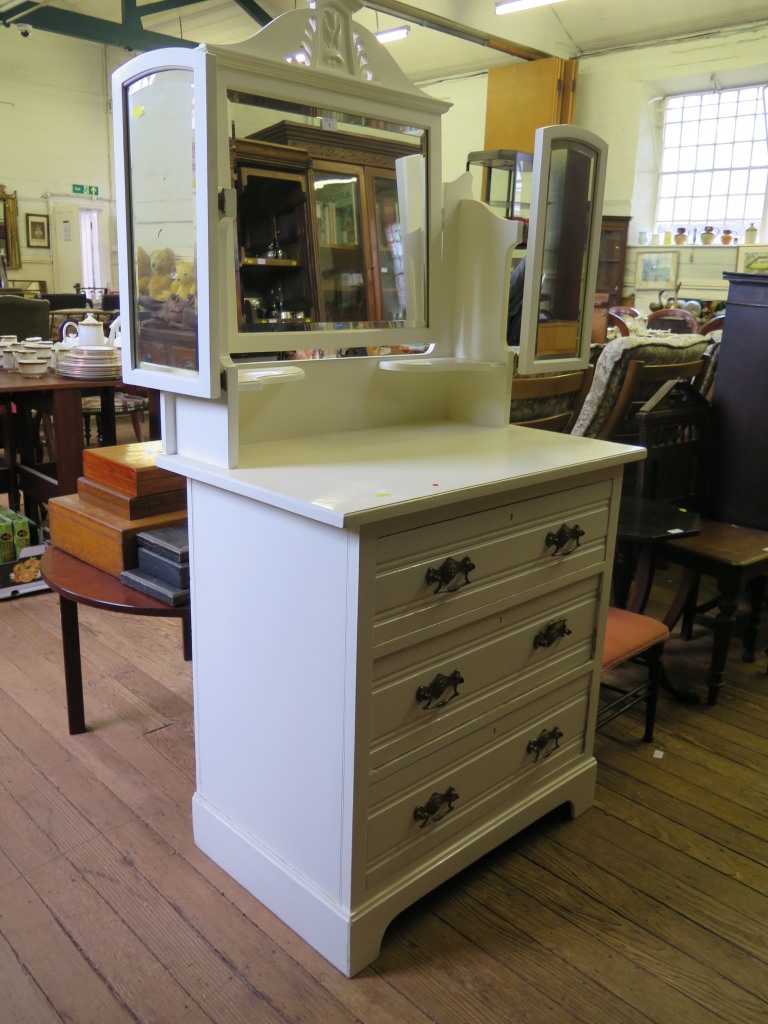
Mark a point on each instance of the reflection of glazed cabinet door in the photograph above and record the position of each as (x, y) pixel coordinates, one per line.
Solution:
(275, 276)
(387, 248)
(342, 241)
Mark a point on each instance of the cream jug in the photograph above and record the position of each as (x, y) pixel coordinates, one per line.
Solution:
(88, 332)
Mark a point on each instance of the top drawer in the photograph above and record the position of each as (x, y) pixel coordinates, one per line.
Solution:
(518, 548)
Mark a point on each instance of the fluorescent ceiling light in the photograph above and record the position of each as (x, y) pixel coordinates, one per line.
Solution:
(391, 35)
(510, 6)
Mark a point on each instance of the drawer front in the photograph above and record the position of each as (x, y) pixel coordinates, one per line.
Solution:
(513, 549)
(473, 780)
(424, 694)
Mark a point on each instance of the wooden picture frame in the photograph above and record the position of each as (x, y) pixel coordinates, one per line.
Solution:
(38, 234)
(752, 259)
(657, 269)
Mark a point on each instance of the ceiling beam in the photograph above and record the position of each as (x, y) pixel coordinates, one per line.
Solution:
(128, 33)
(453, 28)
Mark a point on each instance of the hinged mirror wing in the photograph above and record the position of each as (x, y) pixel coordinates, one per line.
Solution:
(560, 269)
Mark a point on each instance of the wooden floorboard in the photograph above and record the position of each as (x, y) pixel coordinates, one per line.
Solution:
(649, 908)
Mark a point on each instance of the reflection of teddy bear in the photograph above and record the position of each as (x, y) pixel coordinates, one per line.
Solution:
(163, 263)
(185, 286)
(143, 270)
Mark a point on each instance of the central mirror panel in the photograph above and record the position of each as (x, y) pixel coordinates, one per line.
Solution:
(324, 232)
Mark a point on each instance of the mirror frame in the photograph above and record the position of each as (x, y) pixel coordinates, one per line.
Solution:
(13, 252)
(529, 362)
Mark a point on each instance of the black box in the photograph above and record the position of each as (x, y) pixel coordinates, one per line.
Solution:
(141, 580)
(169, 541)
(168, 569)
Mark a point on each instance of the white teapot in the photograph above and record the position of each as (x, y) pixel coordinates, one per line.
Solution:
(88, 332)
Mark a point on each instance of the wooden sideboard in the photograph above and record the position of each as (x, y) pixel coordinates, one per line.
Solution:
(739, 405)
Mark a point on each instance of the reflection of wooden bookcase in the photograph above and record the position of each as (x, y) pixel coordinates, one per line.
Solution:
(354, 230)
(276, 274)
(609, 287)
(613, 255)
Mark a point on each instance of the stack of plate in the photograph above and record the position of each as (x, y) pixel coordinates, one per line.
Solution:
(89, 362)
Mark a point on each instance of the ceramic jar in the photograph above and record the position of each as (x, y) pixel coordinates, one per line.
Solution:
(708, 235)
(726, 237)
(750, 235)
(681, 237)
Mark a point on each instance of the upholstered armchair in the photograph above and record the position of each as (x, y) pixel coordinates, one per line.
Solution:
(628, 371)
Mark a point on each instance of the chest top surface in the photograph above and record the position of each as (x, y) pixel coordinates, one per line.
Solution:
(359, 477)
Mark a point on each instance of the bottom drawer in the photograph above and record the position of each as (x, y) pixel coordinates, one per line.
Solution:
(476, 777)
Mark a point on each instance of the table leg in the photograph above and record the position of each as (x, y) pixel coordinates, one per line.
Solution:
(756, 592)
(68, 426)
(723, 631)
(186, 633)
(108, 426)
(73, 672)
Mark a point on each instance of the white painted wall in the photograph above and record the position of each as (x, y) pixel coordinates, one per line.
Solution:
(55, 131)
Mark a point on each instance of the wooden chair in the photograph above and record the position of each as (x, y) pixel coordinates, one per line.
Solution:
(674, 427)
(617, 321)
(715, 324)
(625, 311)
(627, 373)
(549, 401)
(678, 321)
(132, 405)
(629, 637)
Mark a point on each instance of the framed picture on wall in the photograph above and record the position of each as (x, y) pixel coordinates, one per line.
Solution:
(753, 259)
(656, 269)
(38, 236)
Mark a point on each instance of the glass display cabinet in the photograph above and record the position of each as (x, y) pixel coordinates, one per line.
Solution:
(281, 204)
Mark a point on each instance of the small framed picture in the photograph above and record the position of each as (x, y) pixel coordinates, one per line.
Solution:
(37, 231)
(752, 259)
(656, 269)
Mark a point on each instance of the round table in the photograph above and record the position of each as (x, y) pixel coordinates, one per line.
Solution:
(76, 582)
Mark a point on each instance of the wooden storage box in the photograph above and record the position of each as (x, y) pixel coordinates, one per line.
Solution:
(128, 506)
(98, 536)
(130, 469)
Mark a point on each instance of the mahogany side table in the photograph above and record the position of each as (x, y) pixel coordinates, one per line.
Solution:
(76, 583)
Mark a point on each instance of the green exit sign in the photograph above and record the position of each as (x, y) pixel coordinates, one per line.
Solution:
(85, 190)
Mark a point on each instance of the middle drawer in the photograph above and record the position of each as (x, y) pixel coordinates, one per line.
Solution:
(435, 690)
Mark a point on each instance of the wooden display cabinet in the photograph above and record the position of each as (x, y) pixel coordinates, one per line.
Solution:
(276, 279)
(355, 231)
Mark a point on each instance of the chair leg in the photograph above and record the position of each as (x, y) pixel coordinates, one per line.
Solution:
(655, 675)
(136, 424)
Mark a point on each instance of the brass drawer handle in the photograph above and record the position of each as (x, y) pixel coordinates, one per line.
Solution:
(448, 571)
(542, 745)
(552, 631)
(434, 694)
(564, 536)
(432, 810)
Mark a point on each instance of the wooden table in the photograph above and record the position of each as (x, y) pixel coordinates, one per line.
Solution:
(77, 583)
(62, 397)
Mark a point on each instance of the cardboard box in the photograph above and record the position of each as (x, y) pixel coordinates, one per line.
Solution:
(98, 536)
(16, 533)
(21, 576)
(130, 507)
(131, 469)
